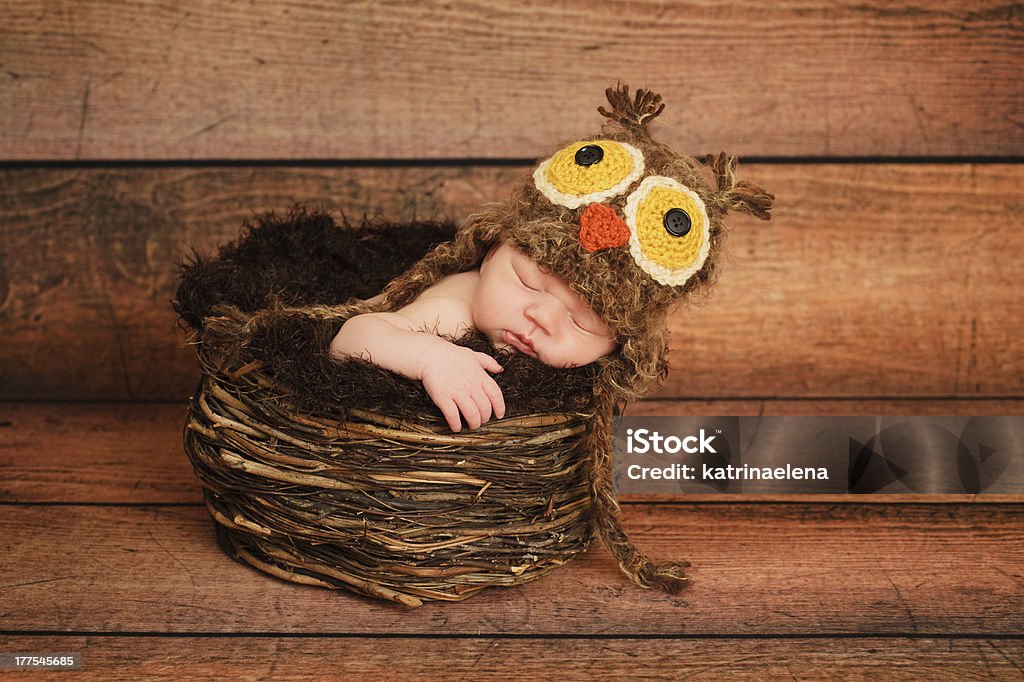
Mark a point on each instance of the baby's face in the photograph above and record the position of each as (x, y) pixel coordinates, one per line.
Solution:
(518, 305)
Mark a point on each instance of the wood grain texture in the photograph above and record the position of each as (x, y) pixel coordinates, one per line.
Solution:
(87, 261)
(756, 570)
(117, 453)
(99, 453)
(390, 658)
(872, 281)
(285, 80)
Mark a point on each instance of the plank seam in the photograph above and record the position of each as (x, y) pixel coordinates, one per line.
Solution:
(558, 636)
(24, 164)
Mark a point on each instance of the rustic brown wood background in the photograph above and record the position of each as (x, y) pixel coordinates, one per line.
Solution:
(889, 282)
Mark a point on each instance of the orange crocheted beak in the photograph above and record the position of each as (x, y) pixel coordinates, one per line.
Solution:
(602, 228)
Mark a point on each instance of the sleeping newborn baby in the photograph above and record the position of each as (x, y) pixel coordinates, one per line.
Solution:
(618, 218)
(514, 302)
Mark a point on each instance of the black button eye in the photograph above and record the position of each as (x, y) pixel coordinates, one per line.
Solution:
(589, 155)
(677, 222)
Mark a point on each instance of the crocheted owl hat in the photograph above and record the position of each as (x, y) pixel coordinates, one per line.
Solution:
(633, 227)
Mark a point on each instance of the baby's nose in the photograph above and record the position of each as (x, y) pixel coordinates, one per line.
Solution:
(542, 313)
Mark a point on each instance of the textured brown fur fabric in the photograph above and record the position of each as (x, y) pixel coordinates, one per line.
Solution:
(301, 258)
(278, 295)
(617, 281)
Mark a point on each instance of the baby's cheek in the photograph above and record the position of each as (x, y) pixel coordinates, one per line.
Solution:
(559, 356)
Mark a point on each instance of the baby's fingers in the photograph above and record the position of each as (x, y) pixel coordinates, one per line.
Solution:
(483, 405)
(450, 410)
(495, 396)
(468, 407)
(488, 362)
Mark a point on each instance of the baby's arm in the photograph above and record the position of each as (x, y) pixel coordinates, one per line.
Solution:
(456, 378)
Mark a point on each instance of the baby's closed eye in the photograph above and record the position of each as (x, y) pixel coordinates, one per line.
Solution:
(579, 325)
(525, 281)
(587, 324)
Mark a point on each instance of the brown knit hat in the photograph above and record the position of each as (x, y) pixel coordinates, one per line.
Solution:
(633, 227)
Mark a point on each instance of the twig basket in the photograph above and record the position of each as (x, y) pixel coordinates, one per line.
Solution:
(390, 508)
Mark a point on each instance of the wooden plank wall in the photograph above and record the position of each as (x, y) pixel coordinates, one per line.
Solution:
(871, 281)
(474, 79)
(879, 278)
(888, 283)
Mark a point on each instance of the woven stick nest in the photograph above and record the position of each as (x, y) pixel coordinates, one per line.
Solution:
(344, 475)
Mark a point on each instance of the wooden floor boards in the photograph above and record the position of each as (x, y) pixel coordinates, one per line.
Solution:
(109, 552)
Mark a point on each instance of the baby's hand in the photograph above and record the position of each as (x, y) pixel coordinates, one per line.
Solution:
(457, 380)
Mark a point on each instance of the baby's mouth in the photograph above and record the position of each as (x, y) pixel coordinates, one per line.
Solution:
(520, 343)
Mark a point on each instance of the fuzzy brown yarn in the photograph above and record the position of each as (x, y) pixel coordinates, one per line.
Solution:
(666, 576)
(633, 114)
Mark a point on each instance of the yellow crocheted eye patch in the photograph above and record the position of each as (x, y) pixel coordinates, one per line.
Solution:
(669, 230)
(589, 171)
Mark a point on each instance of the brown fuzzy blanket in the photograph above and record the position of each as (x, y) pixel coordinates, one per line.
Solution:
(267, 297)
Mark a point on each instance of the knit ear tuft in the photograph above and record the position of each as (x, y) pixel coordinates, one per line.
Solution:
(634, 113)
(732, 194)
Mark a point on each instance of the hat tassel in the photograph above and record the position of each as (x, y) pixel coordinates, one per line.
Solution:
(666, 576)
